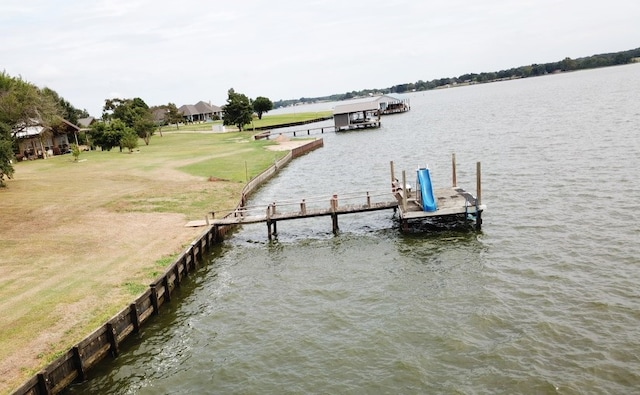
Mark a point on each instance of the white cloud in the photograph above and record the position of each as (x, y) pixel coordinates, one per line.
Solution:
(188, 51)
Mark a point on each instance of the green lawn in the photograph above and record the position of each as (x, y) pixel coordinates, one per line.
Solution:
(104, 225)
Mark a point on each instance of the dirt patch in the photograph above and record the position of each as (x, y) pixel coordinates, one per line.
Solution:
(286, 144)
(66, 257)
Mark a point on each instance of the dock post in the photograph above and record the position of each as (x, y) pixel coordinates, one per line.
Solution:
(393, 176)
(303, 207)
(334, 215)
(478, 195)
(453, 169)
(478, 184)
(269, 222)
(404, 191)
(368, 200)
(274, 222)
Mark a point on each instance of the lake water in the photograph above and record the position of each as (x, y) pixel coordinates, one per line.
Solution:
(546, 299)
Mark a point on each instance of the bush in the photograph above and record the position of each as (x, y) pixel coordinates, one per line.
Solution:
(75, 151)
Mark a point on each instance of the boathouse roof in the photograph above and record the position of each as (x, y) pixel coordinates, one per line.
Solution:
(371, 105)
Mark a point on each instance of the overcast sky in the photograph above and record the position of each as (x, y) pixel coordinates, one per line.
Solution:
(191, 50)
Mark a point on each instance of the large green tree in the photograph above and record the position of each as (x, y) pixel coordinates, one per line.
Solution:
(134, 113)
(238, 111)
(144, 127)
(108, 135)
(262, 105)
(22, 104)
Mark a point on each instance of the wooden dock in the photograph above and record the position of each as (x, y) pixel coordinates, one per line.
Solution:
(268, 134)
(275, 212)
(274, 133)
(454, 205)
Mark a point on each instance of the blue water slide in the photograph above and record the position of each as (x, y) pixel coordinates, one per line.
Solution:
(429, 202)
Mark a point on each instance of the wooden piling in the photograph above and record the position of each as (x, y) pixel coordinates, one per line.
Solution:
(79, 363)
(113, 339)
(478, 184)
(43, 383)
(154, 299)
(478, 195)
(268, 215)
(393, 176)
(334, 215)
(167, 289)
(453, 170)
(135, 317)
(404, 191)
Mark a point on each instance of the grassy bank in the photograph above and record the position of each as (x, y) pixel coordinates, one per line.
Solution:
(266, 121)
(79, 240)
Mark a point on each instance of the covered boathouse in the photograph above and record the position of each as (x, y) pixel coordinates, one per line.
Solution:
(359, 115)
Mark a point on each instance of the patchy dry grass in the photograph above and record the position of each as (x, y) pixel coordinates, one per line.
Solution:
(79, 240)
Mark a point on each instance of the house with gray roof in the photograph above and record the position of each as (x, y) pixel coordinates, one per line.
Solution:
(200, 112)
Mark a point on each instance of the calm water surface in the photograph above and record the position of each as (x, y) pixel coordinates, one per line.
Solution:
(544, 300)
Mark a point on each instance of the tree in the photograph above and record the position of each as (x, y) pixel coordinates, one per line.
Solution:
(238, 111)
(21, 105)
(262, 105)
(109, 135)
(6, 155)
(144, 127)
(134, 113)
(173, 115)
(129, 140)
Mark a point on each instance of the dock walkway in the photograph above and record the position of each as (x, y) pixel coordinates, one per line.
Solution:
(273, 213)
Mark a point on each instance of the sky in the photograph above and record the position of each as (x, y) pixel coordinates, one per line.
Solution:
(191, 50)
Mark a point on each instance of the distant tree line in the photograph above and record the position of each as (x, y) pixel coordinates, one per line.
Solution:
(567, 64)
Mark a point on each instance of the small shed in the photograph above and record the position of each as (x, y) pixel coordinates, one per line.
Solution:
(34, 142)
(357, 115)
